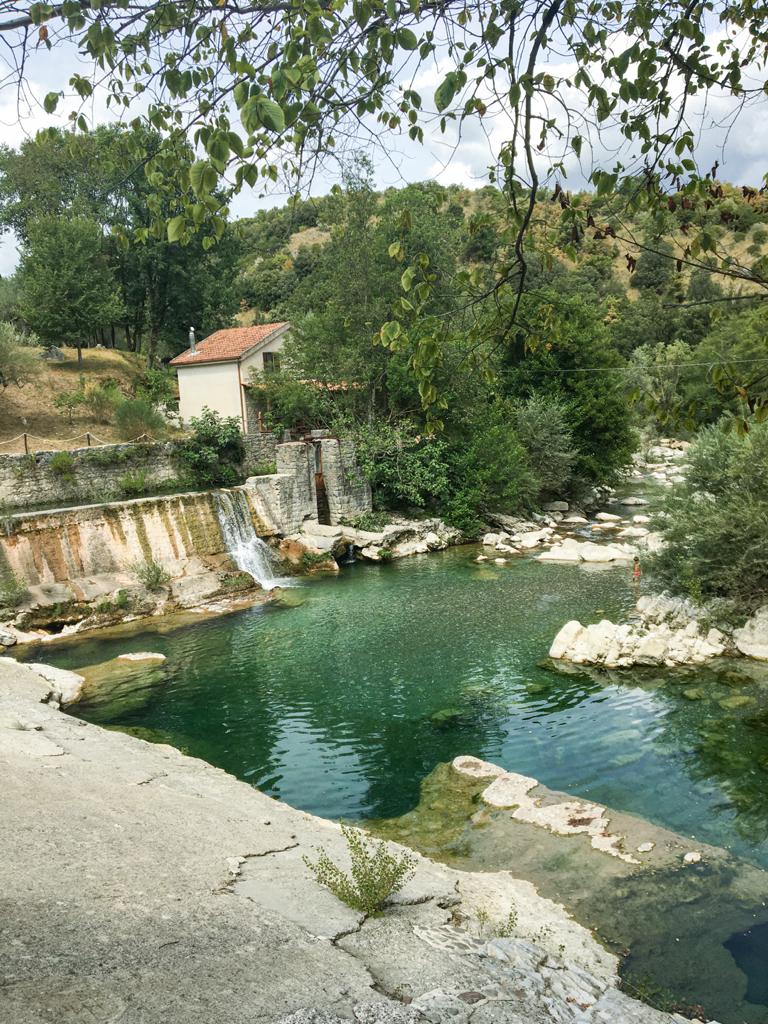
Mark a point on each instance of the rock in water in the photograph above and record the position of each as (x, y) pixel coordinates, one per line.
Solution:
(141, 656)
(752, 638)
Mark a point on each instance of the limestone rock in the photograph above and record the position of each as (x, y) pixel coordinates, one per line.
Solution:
(556, 506)
(7, 639)
(490, 540)
(534, 538)
(141, 656)
(66, 686)
(607, 517)
(565, 639)
(752, 638)
(633, 500)
(475, 768)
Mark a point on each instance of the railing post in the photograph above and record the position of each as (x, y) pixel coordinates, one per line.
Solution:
(88, 437)
(26, 444)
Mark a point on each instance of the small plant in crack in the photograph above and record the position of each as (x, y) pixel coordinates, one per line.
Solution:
(496, 929)
(376, 873)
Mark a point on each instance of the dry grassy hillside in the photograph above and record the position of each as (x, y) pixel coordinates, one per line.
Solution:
(31, 407)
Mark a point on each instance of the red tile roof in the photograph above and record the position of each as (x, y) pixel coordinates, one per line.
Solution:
(227, 345)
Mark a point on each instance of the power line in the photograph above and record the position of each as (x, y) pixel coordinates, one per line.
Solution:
(666, 366)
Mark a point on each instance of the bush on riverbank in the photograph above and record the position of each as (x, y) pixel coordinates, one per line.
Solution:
(715, 525)
(213, 455)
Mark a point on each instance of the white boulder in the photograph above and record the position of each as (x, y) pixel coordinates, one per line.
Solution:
(752, 638)
(607, 517)
(66, 686)
(632, 500)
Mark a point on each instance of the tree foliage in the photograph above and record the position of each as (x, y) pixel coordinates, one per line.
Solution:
(68, 290)
(266, 91)
(19, 362)
(213, 454)
(715, 524)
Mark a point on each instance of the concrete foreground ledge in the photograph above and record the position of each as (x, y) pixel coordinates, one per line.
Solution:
(140, 885)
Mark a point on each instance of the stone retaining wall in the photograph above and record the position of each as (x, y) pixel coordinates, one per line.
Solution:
(259, 450)
(83, 475)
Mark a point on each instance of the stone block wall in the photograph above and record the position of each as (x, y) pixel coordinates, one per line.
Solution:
(349, 493)
(82, 476)
(259, 449)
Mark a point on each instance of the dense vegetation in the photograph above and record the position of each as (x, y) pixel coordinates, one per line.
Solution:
(716, 523)
(605, 346)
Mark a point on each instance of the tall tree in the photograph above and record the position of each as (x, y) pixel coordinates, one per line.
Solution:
(68, 290)
(164, 287)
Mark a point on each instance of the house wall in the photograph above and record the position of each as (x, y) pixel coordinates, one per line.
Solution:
(215, 385)
(255, 361)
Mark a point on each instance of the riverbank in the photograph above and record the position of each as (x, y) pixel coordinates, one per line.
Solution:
(169, 890)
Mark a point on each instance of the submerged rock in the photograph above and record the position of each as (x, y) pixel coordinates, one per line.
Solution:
(141, 656)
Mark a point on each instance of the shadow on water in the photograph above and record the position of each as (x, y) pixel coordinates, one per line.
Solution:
(750, 951)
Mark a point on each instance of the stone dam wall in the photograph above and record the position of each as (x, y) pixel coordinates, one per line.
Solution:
(92, 550)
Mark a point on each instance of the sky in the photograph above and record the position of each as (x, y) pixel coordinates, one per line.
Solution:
(449, 159)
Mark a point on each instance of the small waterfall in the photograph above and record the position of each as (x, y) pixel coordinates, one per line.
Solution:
(249, 552)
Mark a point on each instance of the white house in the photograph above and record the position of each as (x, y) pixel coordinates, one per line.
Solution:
(216, 372)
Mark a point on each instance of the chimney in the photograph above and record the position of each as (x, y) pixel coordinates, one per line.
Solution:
(193, 350)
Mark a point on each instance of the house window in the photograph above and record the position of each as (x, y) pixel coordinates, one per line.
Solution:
(271, 362)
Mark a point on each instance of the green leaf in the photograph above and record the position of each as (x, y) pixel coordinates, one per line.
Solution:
(176, 228)
(576, 142)
(240, 94)
(445, 92)
(51, 102)
(270, 114)
(406, 279)
(406, 39)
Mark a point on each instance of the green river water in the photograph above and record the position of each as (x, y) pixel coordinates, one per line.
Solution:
(343, 704)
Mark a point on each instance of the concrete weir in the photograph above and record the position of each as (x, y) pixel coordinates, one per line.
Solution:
(144, 885)
(79, 555)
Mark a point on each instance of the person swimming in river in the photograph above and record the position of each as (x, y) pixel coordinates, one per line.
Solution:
(637, 572)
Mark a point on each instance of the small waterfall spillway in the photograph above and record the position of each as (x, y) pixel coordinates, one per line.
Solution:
(249, 552)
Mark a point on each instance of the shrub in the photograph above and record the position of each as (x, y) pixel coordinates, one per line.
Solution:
(401, 467)
(489, 470)
(152, 574)
(370, 522)
(134, 484)
(136, 416)
(263, 469)
(19, 362)
(716, 523)
(68, 401)
(542, 427)
(12, 590)
(62, 465)
(376, 874)
(102, 400)
(213, 455)
(156, 386)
